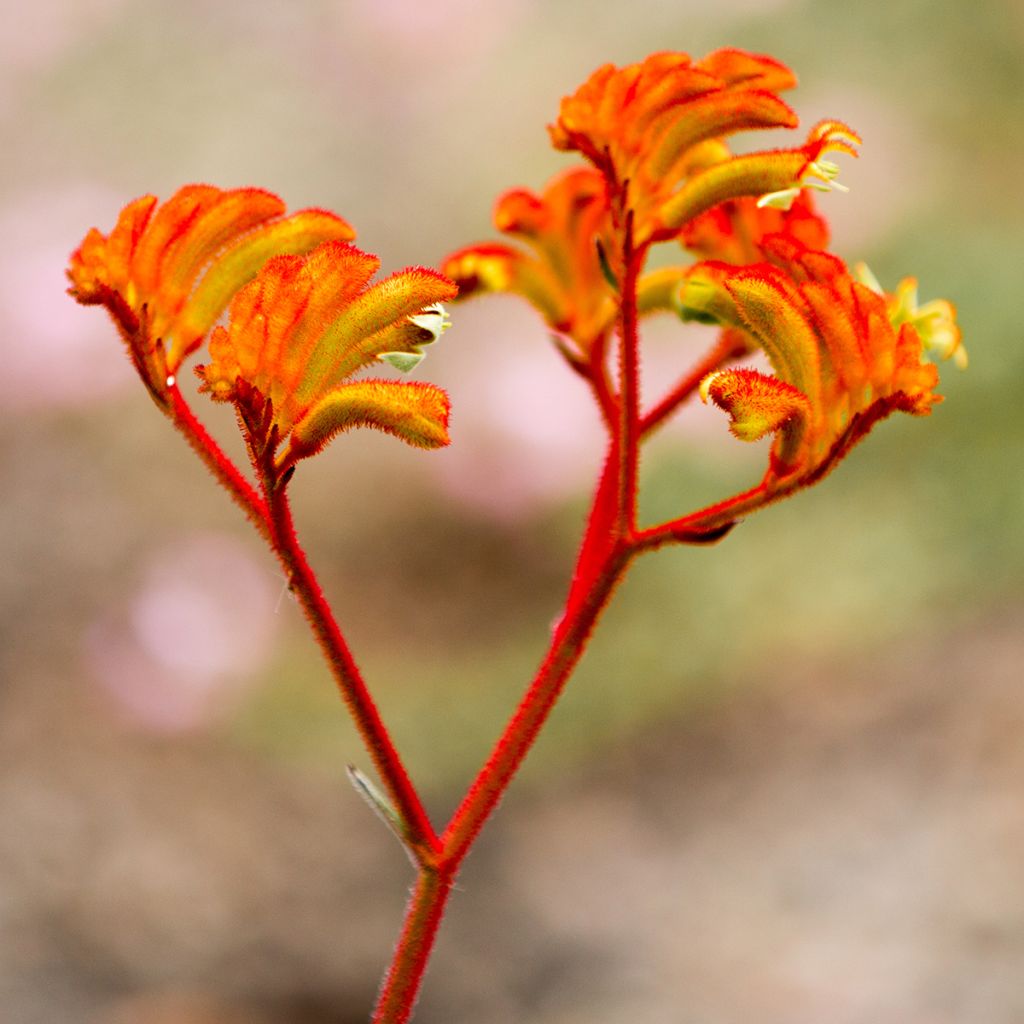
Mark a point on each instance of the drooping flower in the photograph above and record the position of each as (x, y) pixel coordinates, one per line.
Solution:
(305, 325)
(167, 271)
(842, 360)
(559, 270)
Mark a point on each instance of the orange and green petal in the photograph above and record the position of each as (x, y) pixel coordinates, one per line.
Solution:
(305, 324)
(414, 412)
(239, 262)
(844, 357)
(775, 177)
(167, 271)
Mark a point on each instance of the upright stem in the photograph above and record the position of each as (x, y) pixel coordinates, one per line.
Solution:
(629, 385)
(606, 551)
(303, 583)
(567, 647)
(427, 902)
(422, 918)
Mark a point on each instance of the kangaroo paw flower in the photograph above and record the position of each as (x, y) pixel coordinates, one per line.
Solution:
(558, 268)
(844, 356)
(167, 271)
(306, 324)
(647, 126)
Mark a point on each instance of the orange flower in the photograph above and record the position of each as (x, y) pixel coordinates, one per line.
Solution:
(640, 125)
(306, 324)
(842, 361)
(166, 272)
(559, 272)
(734, 230)
(655, 131)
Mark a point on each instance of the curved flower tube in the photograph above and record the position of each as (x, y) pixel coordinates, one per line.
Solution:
(842, 361)
(303, 327)
(645, 126)
(559, 272)
(776, 177)
(167, 271)
(733, 231)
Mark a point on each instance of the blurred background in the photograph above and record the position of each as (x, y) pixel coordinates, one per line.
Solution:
(787, 784)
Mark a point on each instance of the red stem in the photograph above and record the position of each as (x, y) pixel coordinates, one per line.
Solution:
(605, 554)
(422, 918)
(598, 377)
(629, 385)
(567, 647)
(708, 523)
(421, 837)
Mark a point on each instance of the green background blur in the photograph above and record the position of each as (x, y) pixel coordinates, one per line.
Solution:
(151, 664)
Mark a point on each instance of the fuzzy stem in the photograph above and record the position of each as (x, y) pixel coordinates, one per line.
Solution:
(707, 524)
(427, 903)
(422, 918)
(303, 583)
(567, 647)
(605, 553)
(629, 384)
(598, 377)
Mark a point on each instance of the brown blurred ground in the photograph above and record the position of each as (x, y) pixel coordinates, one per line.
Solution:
(835, 843)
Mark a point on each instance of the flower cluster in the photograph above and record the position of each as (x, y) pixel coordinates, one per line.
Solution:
(842, 360)
(167, 272)
(304, 326)
(303, 316)
(659, 169)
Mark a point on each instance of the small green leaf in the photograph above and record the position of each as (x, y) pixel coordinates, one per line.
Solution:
(381, 806)
(606, 267)
(404, 361)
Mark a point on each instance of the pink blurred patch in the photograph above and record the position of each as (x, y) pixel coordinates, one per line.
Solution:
(449, 28)
(56, 353)
(525, 431)
(198, 630)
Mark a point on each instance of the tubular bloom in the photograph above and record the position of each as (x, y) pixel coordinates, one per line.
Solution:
(303, 326)
(844, 356)
(656, 132)
(734, 230)
(559, 273)
(167, 271)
